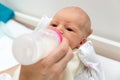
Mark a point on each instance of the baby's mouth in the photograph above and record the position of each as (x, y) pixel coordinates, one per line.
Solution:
(59, 34)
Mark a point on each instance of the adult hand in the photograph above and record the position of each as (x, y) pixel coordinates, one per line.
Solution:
(51, 67)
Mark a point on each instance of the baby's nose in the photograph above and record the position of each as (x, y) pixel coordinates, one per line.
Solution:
(60, 29)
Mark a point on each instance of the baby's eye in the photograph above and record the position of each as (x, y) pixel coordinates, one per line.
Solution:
(54, 25)
(69, 29)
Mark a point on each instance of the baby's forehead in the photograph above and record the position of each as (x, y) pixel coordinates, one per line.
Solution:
(73, 13)
(69, 10)
(68, 16)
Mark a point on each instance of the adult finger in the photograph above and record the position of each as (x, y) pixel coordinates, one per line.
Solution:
(59, 52)
(63, 62)
(67, 58)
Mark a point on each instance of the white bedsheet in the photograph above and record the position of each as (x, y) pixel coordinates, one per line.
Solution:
(11, 30)
(111, 68)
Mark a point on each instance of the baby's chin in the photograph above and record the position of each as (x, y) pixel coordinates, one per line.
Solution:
(74, 47)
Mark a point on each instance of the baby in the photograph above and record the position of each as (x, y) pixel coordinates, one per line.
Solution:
(74, 24)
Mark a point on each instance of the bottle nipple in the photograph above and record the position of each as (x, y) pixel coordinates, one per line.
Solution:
(58, 33)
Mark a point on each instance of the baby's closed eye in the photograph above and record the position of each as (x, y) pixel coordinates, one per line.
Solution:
(54, 25)
(69, 29)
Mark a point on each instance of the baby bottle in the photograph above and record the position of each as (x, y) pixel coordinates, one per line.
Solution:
(30, 48)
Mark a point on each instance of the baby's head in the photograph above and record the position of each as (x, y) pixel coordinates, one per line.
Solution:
(74, 24)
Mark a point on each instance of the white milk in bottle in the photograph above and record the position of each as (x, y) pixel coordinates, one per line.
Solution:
(30, 48)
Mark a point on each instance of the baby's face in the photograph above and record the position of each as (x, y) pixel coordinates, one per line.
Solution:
(70, 27)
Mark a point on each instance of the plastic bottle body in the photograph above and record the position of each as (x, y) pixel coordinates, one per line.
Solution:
(30, 48)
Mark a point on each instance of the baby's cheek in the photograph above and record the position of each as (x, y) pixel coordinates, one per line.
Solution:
(75, 44)
(49, 27)
(72, 44)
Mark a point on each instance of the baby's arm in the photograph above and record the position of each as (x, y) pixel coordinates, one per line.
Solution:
(93, 69)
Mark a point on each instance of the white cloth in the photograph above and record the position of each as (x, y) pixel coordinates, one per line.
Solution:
(92, 66)
(5, 76)
(85, 65)
(73, 67)
(43, 23)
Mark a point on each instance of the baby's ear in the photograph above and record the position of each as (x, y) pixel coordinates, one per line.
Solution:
(91, 31)
(82, 42)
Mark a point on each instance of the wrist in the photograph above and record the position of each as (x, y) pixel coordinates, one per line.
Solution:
(25, 74)
(28, 73)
